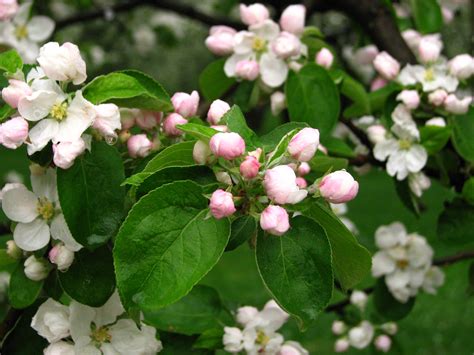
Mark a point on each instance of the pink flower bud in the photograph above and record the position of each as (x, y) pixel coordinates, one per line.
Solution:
(376, 133)
(184, 104)
(410, 98)
(253, 14)
(412, 38)
(66, 152)
(324, 58)
(127, 117)
(301, 182)
(280, 185)
(221, 204)
(227, 145)
(249, 167)
(148, 120)
(286, 45)
(338, 327)
(366, 55)
(436, 121)
(216, 111)
(462, 66)
(386, 65)
(454, 105)
(201, 153)
(139, 146)
(448, 15)
(170, 123)
(338, 187)
(377, 83)
(14, 92)
(278, 102)
(303, 145)
(303, 169)
(221, 40)
(8, 9)
(220, 128)
(275, 220)
(61, 256)
(429, 48)
(383, 343)
(14, 132)
(107, 120)
(256, 153)
(247, 69)
(437, 97)
(246, 314)
(293, 18)
(341, 345)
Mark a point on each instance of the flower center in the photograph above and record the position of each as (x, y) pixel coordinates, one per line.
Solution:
(101, 335)
(429, 74)
(45, 208)
(59, 111)
(402, 264)
(404, 144)
(21, 32)
(262, 338)
(259, 44)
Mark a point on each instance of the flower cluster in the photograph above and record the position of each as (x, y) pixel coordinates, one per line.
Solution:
(48, 113)
(80, 329)
(363, 333)
(257, 333)
(22, 32)
(405, 260)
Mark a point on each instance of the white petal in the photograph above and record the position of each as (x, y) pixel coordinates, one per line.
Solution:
(109, 312)
(390, 236)
(398, 279)
(243, 43)
(23, 13)
(273, 70)
(41, 134)
(60, 230)
(19, 205)
(44, 185)
(40, 84)
(267, 30)
(385, 148)
(87, 349)
(382, 264)
(81, 319)
(231, 62)
(396, 165)
(32, 236)
(37, 106)
(40, 28)
(416, 158)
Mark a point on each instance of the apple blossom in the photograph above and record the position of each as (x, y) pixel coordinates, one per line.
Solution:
(221, 204)
(275, 220)
(361, 336)
(410, 98)
(201, 153)
(221, 40)
(383, 343)
(127, 117)
(359, 299)
(66, 152)
(293, 19)
(227, 145)
(338, 327)
(436, 121)
(301, 182)
(36, 269)
(220, 128)
(278, 102)
(233, 339)
(170, 125)
(247, 69)
(462, 66)
(253, 14)
(431, 78)
(246, 314)
(390, 328)
(412, 38)
(324, 58)
(13, 133)
(292, 348)
(139, 146)
(457, 106)
(304, 144)
(148, 120)
(429, 48)
(15, 91)
(51, 321)
(378, 83)
(107, 120)
(303, 169)
(249, 167)
(59, 348)
(338, 187)
(280, 185)
(217, 109)
(434, 278)
(386, 65)
(418, 182)
(185, 104)
(376, 133)
(61, 256)
(286, 45)
(341, 345)
(8, 8)
(437, 97)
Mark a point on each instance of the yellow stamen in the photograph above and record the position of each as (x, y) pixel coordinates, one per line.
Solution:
(59, 111)
(101, 335)
(262, 338)
(402, 264)
(45, 208)
(404, 144)
(259, 44)
(429, 74)
(21, 32)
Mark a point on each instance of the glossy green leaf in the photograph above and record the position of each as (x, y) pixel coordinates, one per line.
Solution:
(280, 151)
(22, 291)
(6, 260)
(434, 138)
(270, 140)
(10, 61)
(427, 15)
(355, 91)
(321, 163)
(456, 223)
(242, 229)
(5, 112)
(387, 306)
(235, 120)
(468, 191)
(463, 131)
(198, 131)
(213, 82)
(210, 339)
(337, 147)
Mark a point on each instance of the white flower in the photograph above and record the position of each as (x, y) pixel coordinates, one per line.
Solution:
(361, 336)
(24, 34)
(359, 299)
(434, 278)
(246, 314)
(38, 214)
(292, 348)
(432, 77)
(51, 321)
(255, 44)
(36, 269)
(233, 339)
(59, 348)
(418, 182)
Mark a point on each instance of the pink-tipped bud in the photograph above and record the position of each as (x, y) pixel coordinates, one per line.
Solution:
(457, 106)
(170, 123)
(278, 102)
(227, 145)
(221, 204)
(127, 117)
(436, 121)
(286, 45)
(246, 314)
(139, 146)
(437, 97)
(107, 120)
(201, 153)
(249, 167)
(324, 58)
(221, 40)
(412, 38)
(387, 66)
(378, 83)
(220, 128)
(61, 256)
(247, 69)
(275, 220)
(301, 182)
(66, 152)
(341, 345)
(293, 18)
(8, 8)
(216, 111)
(185, 104)
(148, 120)
(280, 185)
(253, 14)
(338, 327)
(303, 169)
(366, 55)
(383, 343)
(462, 66)
(13, 132)
(304, 144)
(338, 187)
(376, 133)
(429, 48)
(410, 98)
(14, 92)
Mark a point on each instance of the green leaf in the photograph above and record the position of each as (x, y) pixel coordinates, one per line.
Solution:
(242, 229)
(313, 98)
(10, 61)
(235, 120)
(270, 140)
(468, 191)
(456, 222)
(280, 150)
(193, 314)
(463, 131)
(6, 260)
(22, 291)
(246, 95)
(5, 112)
(470, 280)
(387, 306)
(409, 200)
(352, 262)
(378, 97)
(166, 245)
(210, 339)
(213, 82)
(128, 88)
(176, 155)
(312, 31)
(90, 280)
(434, 138)
(296, 268)
(177, 344)
(338, 147)
(91, 197)
(355, 91)
(198, 131)
(321, 163)
(427, 15)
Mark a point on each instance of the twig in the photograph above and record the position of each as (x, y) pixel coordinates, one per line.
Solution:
(9, 322)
